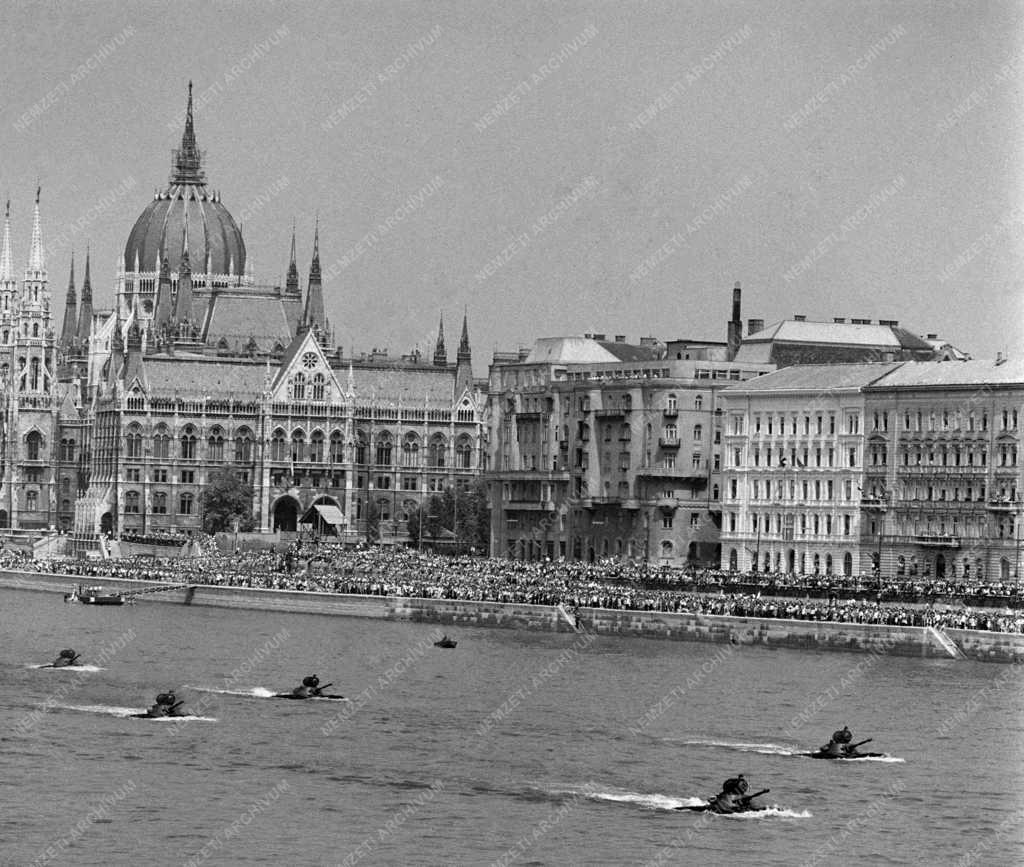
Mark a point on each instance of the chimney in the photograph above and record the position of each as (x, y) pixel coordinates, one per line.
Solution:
(620, 338)
(799, 317)
(754, 326)
(734, 332)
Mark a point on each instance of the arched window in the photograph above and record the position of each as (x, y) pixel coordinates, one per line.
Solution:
(133, 442)
(34, 376)
(299, 386)
(698, 433)
(361, 456)
(188, 443)
(411, 450)
(671, 403)
(436, 450)
(698, 401)
(215, 444)
(298, 445)
(35, 329)
(316, 390)
(159, 503)
(714, 492)
(131, 503)
(817, 564)
(733, 560)
(316, 446)
(32, 500)
(337, 447)
(464, 452)
(186, 503)
(33, 446)
(243, 446)
(278, 451)
(161, 442)
(828, 564)
(384, 448)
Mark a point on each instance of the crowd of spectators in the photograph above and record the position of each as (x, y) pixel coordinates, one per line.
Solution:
(394, 571)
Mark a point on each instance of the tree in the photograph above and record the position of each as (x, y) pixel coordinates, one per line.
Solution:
(465, 514)
(225, 500)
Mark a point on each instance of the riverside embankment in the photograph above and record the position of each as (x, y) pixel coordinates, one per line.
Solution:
(764, 632)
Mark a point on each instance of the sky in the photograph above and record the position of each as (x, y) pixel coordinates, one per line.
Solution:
(548, 168)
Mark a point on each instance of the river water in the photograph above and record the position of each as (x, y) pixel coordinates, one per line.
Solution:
(515, 747)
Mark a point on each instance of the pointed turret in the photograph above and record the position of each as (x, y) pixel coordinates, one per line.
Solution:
(6, 265)
(85, 311)
(36, 269)
(464, 361)
(463, 354)
(291, 285)
(133, 368)
(187, 168)
(70, 329)
(116, 354)
(183, 301)
(440, 353)
(313, 317)
(162, 311)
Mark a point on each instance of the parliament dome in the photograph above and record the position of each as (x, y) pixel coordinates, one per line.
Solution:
(186, 216)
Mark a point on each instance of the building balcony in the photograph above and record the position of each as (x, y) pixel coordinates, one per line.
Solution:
(530, 505)
(670, 412)
(936, 541)
(611, 412)
(1007, 505)
(667, 504)
(669, 442)
(689, 472)
(537, 475)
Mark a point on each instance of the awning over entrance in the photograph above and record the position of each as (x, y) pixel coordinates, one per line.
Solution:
(324, 516)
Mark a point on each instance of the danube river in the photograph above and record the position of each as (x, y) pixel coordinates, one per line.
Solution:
(515, 747)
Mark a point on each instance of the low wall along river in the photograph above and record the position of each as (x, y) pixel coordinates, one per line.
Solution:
(766, 632)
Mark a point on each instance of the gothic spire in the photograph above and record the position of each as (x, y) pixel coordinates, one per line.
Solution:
(464, 342)
(6, 267)
(183, 300)
(187, 167)
(440, 353)
(67, 333)
(292, 281)
(36, 261)
(85, 311)
(313, 316)
(314, 269)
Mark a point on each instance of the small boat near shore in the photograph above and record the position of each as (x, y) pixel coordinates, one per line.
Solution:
(95, 595)
(446, 642)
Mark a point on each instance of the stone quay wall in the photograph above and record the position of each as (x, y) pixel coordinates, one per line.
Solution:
(752, 631)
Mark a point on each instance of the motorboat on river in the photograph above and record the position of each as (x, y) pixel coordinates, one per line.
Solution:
(95, 595)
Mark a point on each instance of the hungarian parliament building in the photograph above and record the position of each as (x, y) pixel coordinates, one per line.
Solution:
(843, 447)
(114, 420)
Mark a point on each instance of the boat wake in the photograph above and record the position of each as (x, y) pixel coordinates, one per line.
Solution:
(50, 666)
(258, 692)
(766, 749)
(124, 712)
(644, 800)
(884, 759)
(255, 692)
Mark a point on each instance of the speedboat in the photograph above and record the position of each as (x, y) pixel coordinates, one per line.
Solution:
(321, 697)
(446, 642)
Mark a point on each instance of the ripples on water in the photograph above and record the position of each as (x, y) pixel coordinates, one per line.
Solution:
(570, 775)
